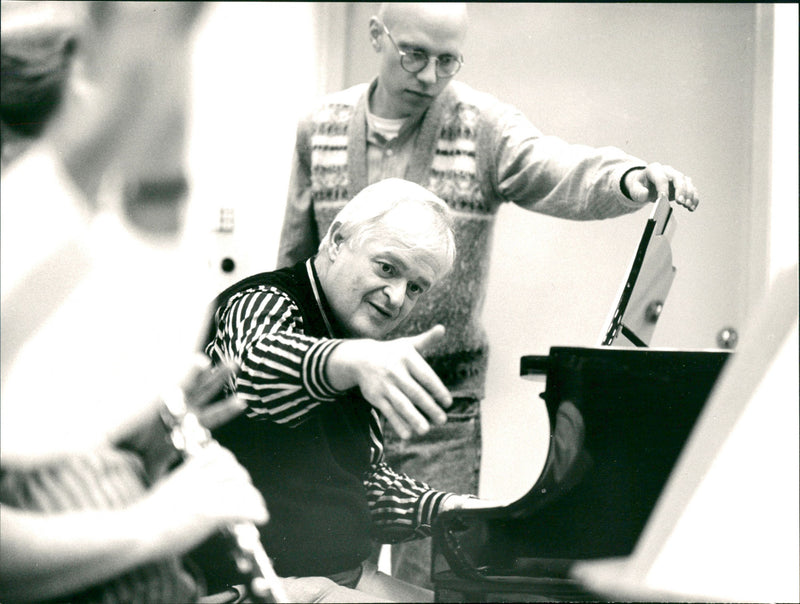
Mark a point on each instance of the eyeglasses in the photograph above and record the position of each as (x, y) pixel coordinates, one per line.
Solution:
(414, 61)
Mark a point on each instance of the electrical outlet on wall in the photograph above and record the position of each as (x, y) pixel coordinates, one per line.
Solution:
(223, 259)
(225, 221)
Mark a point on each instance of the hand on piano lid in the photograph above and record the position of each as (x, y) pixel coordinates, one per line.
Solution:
(470, 502)
(394, 378)
(655, 181)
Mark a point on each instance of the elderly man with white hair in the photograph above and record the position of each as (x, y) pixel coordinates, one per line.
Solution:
(316, 374)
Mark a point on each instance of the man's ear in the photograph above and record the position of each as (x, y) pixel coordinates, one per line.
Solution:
(375, 31)
(336, 241)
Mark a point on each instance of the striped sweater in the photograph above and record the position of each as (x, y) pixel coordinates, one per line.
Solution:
(105, 479)
(475, 153)
(316, 454)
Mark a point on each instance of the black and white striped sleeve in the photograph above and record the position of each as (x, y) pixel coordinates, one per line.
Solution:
(281, 369)
(402, 508)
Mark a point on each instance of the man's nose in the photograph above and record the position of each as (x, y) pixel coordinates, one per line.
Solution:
(396, 292)
(428, 75)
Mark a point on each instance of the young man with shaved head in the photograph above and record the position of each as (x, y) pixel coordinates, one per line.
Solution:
(415, 121)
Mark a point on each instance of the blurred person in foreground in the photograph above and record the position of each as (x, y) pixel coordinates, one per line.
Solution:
(96, 505)
(415, 121)
(319, 376)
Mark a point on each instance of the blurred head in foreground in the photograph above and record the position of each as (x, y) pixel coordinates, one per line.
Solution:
(99, 293)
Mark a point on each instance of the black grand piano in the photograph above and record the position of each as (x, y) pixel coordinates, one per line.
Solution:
(620, 414)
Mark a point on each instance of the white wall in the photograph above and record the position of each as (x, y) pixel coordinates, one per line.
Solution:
(254, 71)
(784, 214)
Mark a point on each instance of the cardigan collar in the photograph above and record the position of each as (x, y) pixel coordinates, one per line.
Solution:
(427, 125)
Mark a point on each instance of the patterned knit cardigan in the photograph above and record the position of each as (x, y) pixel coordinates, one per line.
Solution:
(475, 153)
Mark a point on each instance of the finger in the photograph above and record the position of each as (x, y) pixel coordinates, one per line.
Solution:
(684, 193)
(658, 178)
(241, 504)
(208, 384)
(638, 187)
(691, 198)
(407, 411)
(392, 415)
(218, 464)
(427, 339)
(217, 414)
(257, 512)
(421, 398)
(478, 504)
(394, 419)
(234, 501)
(426, 377)
(676, 185)
(212, 376)
(198, 364)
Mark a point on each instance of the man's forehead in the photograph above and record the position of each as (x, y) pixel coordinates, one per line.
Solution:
(420, 263)
(449, 14)
(431, 45)
(409, 221)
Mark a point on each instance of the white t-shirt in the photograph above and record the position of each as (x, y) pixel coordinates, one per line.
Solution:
(386, 127)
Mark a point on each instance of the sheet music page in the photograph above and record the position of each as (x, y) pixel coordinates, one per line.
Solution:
(737, 538)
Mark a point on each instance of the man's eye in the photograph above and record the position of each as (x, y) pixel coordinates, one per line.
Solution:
(387, 269)
(414, 289)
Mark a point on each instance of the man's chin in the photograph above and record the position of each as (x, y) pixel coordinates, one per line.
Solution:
(372, 330)
(416, 103)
